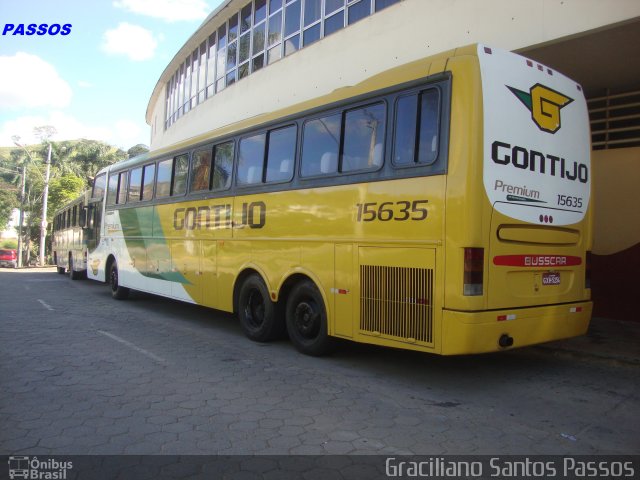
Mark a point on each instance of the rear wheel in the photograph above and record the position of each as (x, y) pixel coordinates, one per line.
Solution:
(256, 311)
(73, 275)
(61, 270)
(117, 292)
(307, 320)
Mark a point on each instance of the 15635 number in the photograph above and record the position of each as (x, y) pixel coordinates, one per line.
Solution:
(400, 211)
(569, 201)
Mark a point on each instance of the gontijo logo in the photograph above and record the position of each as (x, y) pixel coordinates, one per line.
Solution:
(36, 29)
(544, 105)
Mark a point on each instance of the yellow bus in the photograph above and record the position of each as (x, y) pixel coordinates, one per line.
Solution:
(440, 206)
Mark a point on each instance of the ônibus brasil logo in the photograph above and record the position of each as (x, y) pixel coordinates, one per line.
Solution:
(544, 105)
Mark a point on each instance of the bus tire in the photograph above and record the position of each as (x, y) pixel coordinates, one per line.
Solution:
(117, 292)
(73, 275)
(256, 311)
(306, 319)
(62, 270)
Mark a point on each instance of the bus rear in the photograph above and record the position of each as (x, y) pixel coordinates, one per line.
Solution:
(526, 281)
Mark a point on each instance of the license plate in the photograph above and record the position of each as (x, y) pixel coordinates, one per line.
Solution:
(551, 278)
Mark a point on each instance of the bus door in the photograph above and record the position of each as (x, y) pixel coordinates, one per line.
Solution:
(92, 226)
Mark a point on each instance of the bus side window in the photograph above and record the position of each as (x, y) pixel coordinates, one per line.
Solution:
(417, 128)
(82, 217)
(429, 115)
(163, 185)
(280, 155)
(122, 188)
(251, 159)
(222, 166)
(135, 184)
(363, 138)
(180, 175)
(112, 192)
(320, 145)
(147, 181)
(99, 185)
(97, 217)
(201, 170)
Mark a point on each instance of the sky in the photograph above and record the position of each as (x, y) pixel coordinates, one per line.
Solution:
(96, 81)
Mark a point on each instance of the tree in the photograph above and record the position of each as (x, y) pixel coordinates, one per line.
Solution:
(9, 188)
(8, 202)
(87, 157)
(136, 150)
(64, 189)
(73, 166)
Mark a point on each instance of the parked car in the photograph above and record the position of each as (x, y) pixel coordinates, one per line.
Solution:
(8, 258)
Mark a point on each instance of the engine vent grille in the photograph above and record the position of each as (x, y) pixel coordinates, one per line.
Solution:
(397, 302)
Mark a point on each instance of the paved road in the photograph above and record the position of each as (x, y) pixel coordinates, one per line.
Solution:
(81, 373)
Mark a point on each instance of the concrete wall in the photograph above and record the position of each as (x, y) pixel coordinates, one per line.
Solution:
(616, 175)
(616, 241)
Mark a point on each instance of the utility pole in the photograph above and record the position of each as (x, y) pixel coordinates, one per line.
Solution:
(45, 196)
(16, 141)
(44, 134)
(21, 216)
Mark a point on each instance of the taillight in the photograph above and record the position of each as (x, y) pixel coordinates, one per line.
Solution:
(587, 271)
(473, 271)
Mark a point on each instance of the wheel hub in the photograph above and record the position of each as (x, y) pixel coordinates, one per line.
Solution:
(255, 309)
(306, 319)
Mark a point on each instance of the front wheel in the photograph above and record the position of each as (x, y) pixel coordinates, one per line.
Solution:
(117, 292)
(256, 311)
(307, 320)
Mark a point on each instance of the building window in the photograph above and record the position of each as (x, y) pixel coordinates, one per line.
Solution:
(274, 37)
(334, 23)
(221, 58)
(202, 73)
(211, 65)
(187, 85)
(358, 10)
(380, 4)
(260, 33)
